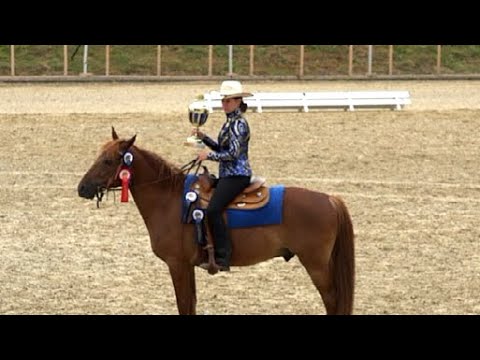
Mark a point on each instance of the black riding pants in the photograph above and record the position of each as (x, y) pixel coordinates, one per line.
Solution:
(226, 190)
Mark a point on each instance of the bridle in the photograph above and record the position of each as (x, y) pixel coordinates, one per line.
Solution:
(126, 165)
(123, 170)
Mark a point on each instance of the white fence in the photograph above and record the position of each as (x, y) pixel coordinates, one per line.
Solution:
(306, 101)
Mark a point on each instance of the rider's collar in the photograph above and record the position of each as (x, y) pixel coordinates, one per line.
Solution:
(233, 114)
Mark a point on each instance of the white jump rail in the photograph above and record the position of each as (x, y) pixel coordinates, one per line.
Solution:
(305, 101)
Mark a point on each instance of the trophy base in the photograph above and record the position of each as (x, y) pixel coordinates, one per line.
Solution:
(193, 141)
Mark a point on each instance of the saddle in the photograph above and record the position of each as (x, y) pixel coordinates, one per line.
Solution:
(254, 196)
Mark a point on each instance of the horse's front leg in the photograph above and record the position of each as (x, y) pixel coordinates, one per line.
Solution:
(183, 277)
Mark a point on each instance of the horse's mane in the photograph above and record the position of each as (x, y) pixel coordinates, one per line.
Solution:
(167, 172)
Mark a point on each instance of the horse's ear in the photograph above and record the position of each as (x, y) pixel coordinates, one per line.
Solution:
(114, 134)
(130, 142)
(126, 144)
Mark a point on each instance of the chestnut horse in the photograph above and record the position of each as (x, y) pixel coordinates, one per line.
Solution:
(316, 227)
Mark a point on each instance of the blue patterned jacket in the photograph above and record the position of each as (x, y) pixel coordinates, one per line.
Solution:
(231, 151)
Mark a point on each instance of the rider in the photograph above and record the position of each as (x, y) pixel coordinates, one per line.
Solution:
(231, 151)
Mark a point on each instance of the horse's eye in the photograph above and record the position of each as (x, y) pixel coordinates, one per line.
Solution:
(108, 162)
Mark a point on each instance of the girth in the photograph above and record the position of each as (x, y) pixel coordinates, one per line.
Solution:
(256, 195)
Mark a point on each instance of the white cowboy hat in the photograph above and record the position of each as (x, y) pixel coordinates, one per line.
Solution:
(232, 89)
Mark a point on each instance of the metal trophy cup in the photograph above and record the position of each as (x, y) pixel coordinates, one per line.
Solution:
(197, 115)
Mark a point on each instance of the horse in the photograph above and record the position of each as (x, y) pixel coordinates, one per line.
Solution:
(316, 227)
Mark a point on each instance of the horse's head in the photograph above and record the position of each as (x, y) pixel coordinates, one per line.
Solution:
(103, 174)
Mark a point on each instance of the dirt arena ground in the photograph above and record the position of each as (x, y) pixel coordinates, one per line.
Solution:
(409, 178)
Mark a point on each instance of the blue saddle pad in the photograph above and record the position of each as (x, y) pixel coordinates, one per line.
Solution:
(270, 214)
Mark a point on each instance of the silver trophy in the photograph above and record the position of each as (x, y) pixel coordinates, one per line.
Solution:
(197, 115)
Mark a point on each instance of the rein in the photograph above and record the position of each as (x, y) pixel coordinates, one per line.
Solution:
(189, 166)
(101, 190)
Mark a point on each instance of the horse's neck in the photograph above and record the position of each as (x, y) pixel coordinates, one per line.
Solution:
(152, 190)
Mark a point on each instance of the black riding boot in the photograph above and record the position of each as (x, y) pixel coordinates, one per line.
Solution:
(223, 243)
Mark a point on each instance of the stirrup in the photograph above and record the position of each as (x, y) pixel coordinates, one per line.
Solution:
(223, 268)
(206, 266)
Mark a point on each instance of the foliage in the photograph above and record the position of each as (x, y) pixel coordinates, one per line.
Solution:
(281, 60)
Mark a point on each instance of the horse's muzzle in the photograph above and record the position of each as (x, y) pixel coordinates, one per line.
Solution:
(87, 191)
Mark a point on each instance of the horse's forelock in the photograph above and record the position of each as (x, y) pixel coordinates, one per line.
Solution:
(110, 148)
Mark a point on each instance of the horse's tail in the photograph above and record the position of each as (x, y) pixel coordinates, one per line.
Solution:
(342, 262)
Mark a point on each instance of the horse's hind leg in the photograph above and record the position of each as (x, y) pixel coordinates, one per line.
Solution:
(320, 274)
(183, 277)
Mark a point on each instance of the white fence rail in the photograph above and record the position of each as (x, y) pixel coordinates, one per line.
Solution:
(306, 101)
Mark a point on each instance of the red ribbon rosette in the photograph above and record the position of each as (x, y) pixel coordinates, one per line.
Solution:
(124, 176)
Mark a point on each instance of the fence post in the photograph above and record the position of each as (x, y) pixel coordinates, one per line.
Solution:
(210, 60)
(350, 60)
(230, 60)
(390, 59)
(252, 49)
(159, 60)
(65, 60)
(302, 57)
(370, 60)
(439, 58)
(85, 59)
(107, 60)
(12, 60)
